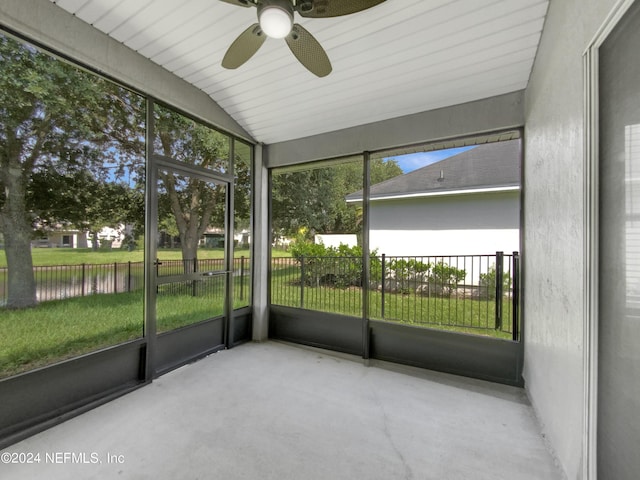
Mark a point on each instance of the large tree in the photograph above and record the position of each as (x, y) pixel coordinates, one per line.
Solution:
(314, 198)
(55, 120)
(76, 199)
(194, 204)
(302, 199)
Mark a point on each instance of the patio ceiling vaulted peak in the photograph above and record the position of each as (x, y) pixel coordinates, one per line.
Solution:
(397, 58)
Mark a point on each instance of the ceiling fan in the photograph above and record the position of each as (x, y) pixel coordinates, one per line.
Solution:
(275, 20)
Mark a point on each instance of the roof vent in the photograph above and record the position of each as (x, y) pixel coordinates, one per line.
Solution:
(441, 179)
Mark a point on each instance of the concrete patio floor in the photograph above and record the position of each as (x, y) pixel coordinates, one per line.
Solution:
(278, 411)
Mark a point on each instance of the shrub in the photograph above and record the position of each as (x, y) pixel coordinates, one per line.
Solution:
(488, 283)
(339, 267)
(307, 249)
(445, 278)
(405, 276)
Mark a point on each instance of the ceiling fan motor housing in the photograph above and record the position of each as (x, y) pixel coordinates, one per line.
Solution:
(305, 6)
(275, 17)
(284, 5)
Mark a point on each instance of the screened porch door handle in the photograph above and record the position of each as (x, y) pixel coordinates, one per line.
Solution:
(218, 272)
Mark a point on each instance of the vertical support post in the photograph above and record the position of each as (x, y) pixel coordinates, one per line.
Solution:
(384, 275)
(499, 284)
(229, 315)
(515, 296)
(151, 263)
(302, 281)
(366, 256)
(129, 276)
(115, 277)
(261, 267)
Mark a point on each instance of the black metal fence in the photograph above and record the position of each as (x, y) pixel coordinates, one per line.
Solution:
(212, 282)
(469, 292)
(58, 282)
(465, 292)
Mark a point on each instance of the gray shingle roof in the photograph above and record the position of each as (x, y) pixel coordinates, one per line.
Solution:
(490, 165)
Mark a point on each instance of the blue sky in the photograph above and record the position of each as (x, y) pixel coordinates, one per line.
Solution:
(413, 161)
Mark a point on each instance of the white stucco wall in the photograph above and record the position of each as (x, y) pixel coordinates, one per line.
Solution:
(472, 224)
(553, 265)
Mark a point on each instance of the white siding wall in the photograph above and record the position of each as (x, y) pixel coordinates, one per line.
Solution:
(452, 225)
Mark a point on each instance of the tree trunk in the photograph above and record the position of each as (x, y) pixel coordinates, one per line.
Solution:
(95, 243)
(21, 288)
(189, 245)
(21, 285)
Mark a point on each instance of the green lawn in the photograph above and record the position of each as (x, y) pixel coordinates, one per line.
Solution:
(452, 314)
(61, 329)
(54, 331)
(57, 330)
(78, 256)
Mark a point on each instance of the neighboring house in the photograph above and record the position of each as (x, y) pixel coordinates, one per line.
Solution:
(467, 204)
(214, 238)
(243, 238)
(61, 237)
(337, 239)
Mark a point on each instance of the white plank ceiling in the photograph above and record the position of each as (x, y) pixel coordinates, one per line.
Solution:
(398, 58)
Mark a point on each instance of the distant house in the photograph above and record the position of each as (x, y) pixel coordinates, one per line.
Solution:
(214, 238)
(466, 204)
(62, 237)
(65, 237)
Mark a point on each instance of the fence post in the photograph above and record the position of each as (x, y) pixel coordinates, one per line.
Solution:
(302, 281)
(3, 275)
(194, 284)
(115, 277)
(499, 284)
(129, 277)
(83, 278)
(384, 276)
(242, 277)
(515, 296)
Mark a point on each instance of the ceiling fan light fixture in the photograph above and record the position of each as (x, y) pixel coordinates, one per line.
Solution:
(275, 21)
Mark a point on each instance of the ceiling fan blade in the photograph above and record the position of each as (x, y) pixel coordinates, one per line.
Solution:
(308, 51)
(243, 47)
(240, 3)
(333, 8)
